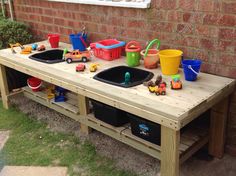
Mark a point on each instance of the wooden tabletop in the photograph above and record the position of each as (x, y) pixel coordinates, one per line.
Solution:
(174, 110)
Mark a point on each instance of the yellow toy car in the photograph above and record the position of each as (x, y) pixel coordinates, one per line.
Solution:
(93, 67)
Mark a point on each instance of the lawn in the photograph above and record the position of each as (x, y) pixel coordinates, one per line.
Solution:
(32, 143)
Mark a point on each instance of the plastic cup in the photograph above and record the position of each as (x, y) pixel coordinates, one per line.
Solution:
(54, 40)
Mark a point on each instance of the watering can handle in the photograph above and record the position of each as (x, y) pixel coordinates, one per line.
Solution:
(133, 43)
(190, 67)
(150, 44)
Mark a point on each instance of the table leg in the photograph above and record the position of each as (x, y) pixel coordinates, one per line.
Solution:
(219, 115)
(4, 86)
(84, 110)
(170, 140)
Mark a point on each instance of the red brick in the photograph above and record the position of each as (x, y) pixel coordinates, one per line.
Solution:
(185, 28)
(34, 17)
(209, 5)
(207, 44)
(208, 68)
(85, 17)
(207, 31)
(132, 33)
(136, 24)
(192, 17)
(228, 59)
(59, 21)
(174, 16)
(91, 27)
(226, 46)
(116, 21)
(227, 34)
(226, 71)
(187, 4)
(154, 14)
(46, 19)
(167, 4)
(212, 19)
(161, 26)
(65, 31)
(229, 7)
(228, 20)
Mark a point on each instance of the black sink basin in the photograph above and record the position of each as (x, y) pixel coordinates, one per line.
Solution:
(116, 76)
(50, 56)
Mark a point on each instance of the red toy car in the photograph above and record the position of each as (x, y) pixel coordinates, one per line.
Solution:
(41, 48)
(80, 67)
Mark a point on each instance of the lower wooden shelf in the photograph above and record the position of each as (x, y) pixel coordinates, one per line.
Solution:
(191, 139)
(68, 108)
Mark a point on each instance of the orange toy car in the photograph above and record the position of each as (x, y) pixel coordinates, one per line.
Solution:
(77, 56)
(158, 90)
(175, 82)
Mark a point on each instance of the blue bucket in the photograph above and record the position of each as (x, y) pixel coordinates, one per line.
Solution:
(191, 69)
(78, 41)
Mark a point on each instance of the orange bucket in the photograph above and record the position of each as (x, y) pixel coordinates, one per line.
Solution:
(151, 56)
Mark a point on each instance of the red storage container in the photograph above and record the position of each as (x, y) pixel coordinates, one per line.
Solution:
(109, 49)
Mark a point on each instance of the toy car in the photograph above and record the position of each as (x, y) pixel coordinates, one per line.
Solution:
(161, 89)
(76, 55)
(80, 67)
(175, 82)
(158, 90)
(41, 48)
(93, 67)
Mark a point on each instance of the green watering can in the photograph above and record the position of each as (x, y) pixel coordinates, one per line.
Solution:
(133, 56)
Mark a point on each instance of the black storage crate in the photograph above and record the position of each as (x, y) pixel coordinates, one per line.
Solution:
(145, 129)
(109, 114)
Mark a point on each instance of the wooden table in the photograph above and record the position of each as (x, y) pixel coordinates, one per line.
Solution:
(172, 112)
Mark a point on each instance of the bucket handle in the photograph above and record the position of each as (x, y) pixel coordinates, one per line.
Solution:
(135, 43)
(190, 67)
(84, 43)
(34, 87)
(150, 44)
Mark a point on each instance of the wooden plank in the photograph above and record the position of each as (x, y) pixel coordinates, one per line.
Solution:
(52, 106)
(170, 141)
(4, 87)
(84, 110)
(127, 132)
(218, 129)
(67, 106)
(42, 94)
(210, 102)
(118, 134)
(194, 148)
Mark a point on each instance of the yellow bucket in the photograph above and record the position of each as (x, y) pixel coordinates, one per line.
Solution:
(170, 61)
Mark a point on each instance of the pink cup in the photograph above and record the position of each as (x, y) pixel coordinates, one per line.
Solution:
(54, 40)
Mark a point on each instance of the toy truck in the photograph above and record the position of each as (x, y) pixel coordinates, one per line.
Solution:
(77, 56)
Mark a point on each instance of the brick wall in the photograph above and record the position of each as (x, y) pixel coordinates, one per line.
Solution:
(201, 28)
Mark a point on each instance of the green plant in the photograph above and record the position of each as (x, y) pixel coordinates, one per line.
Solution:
(12, 32)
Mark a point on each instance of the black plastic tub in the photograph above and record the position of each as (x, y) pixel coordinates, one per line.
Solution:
(145, 129)
(116, 76)
(109, 114)
(49, 56)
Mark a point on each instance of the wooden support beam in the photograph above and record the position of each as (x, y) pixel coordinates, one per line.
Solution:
(4, 86)
(170, 141)
(83, 110)
(219, 115)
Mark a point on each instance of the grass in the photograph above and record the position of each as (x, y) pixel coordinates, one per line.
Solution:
(31, 143)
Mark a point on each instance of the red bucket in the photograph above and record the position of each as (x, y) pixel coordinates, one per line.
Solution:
(54, 40)
(34, 83)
